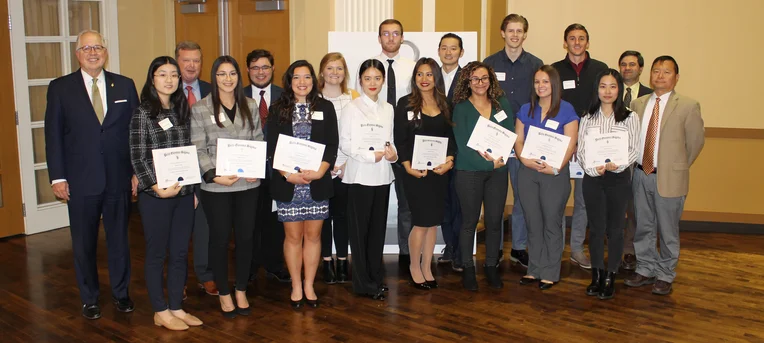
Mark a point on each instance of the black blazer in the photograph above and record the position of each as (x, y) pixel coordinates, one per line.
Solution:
(643, 90)
(322, 131)
(91, 156)
(275, 92)
(450, 95)
(204, 88)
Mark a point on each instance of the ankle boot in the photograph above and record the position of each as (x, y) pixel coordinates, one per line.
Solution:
(469, 280)
(607, 290)
(492, 276)
(342, 271)
(597, 276)
(329, 277)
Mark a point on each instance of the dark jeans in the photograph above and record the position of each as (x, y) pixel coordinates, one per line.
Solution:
(476, 189)
(338, 206)
(606, 199)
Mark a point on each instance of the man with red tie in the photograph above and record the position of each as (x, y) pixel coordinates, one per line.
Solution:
(189, 56)
(671, 138)
(269, 235)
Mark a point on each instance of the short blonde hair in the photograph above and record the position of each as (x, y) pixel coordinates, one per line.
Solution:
(86, 31)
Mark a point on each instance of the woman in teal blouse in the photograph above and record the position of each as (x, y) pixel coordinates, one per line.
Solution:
(480, 179)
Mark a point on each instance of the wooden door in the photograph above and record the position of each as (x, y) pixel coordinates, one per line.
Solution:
(201, 28)
(251, 29)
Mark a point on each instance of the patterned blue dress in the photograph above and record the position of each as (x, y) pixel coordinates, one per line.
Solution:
(302, 207)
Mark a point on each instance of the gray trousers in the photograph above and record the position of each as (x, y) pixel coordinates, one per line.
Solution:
(404, 213)
(201, 241)
(579, 220)
(656, 216)
(476, 189)
(544, 198)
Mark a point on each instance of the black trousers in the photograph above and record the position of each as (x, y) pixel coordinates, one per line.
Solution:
(84, 216)
(269, 234)
(224, 212)
(338, 206)
(201, 244)
(167, 225)
(367, 223)
(606, 199)
(452, 221)
(476, 188)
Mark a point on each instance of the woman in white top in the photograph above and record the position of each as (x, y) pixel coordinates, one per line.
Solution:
(368, 174)
(333, 85)
(606, 185)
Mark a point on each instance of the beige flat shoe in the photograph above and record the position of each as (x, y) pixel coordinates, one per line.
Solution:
(191, 320)
(174, 324)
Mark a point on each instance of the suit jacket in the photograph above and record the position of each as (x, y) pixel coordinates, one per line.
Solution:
(321, 131)
(275, 92)
(204, 88)
(450, 95)
(91, 156)
(205, 134)
(682, 136)
(644, 90)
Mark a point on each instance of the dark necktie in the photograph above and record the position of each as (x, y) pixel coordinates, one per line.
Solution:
(627, 98)
(391, 83)
(648, 162)
(263, 108)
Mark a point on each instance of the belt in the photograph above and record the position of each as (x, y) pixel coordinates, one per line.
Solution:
(655, 170)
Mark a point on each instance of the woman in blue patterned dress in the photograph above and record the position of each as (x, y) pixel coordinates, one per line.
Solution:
(303, 196)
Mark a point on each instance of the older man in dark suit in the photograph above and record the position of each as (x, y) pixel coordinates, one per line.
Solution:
(86, 140)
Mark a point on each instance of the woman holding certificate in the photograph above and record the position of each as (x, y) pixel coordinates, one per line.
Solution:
(167, 214)
(229, 200)
(481, 177)
(608, 142)
(366, 136)
(302, 194)
(333, 86)
(544, 179)
(423, 127)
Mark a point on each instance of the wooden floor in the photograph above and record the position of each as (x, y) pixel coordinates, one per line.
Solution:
(718, 296)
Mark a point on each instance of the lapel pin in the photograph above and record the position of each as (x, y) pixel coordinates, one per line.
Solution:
(112, 85)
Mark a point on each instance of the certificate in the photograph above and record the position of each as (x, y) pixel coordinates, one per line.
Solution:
(429, 152)
(547, 146)
(243, 158)
(173, 165)
(492, 138)
(294, 154)
(602, 148)
(576, 172)
(369, 136)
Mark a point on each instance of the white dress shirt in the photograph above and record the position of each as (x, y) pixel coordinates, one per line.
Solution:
(339, 103)
(361, 167)
(646, 124)
(256, 94)
(195, 88)
(404, 68)
(599, 124)
(101, 88)
(448, 78)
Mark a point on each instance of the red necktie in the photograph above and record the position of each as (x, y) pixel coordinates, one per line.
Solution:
(191, 97)
(648, 165)
(263, 109)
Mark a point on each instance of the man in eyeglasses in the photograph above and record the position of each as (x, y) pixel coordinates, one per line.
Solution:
(269, 237)
(87, 122)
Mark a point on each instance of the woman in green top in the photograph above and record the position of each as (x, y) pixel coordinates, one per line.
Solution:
(480, 179)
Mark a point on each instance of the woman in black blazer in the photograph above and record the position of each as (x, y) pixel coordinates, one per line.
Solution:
(302, 198)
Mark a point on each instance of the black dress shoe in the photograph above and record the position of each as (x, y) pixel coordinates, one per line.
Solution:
(598, 276)
(528, 280)
(330, 277)
(91, 311)
(230, 314)
(280, 275)
(544, 285)
(384, 288)
(296, 305)
(243, 311)
(431, 283)
(342, 271)
(377, 296)
(124, 305)
(607, 287)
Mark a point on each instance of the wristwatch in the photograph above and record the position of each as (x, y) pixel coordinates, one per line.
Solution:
(556, 171)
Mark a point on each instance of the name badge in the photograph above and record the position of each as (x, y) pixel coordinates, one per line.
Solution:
(317, 115)
(500, 116)
(411, 115)
(501, 76)
(593, 131)
(552, 124)
(120, 101)
(222, 117)
(274, 208)
(569, 84)
(165, 124)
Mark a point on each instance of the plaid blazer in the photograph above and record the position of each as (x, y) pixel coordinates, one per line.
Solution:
(205, 134)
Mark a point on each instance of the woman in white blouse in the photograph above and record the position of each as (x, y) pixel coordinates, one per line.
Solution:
(333, 85)
(606, 185)
(368, 174)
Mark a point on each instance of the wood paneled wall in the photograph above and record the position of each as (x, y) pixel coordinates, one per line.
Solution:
(250, 30)
(201, 28)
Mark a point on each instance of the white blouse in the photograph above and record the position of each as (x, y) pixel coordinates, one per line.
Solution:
(339, 103)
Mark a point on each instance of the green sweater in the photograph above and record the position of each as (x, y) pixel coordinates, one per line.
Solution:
(465, 116)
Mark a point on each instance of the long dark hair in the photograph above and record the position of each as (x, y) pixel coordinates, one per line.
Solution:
(415, 100)
(554, 81)
(287, 99)
(238, 92)
(619, 108)
(150, 97)
(463, 90)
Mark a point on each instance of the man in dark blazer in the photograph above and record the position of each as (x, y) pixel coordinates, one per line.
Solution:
(630, 65)
(189, 57)
(86, 141)
(450, 50)
(269, 237)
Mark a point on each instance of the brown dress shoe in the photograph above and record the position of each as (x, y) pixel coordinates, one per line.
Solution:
(174, 324)
(662, 288)
(191, 320)
(210, 287)
(638, 280)
(629, 262)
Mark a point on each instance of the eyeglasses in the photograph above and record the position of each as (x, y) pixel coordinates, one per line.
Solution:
(475, 80)
(88, 48)
(222, 75)
(167, 76)
(265, 69)
(388, 33)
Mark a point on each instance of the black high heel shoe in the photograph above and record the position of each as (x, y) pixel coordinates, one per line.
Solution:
(228, 314)
(423, 285)
(296, 305)
(431, 283)
(312, 303)
(244, 311)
